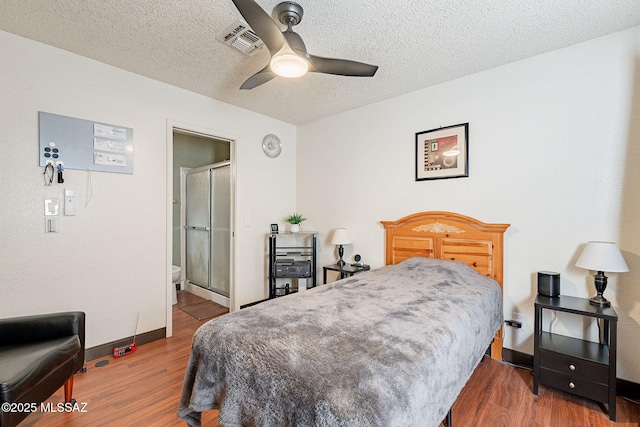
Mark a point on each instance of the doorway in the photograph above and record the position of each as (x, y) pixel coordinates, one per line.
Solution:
(191, 148)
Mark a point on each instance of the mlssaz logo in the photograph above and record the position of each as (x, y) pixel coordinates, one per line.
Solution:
(63, 407)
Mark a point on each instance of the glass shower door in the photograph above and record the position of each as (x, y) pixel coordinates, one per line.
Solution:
(208, 227)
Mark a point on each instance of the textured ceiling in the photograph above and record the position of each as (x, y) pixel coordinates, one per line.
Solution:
(416, 43)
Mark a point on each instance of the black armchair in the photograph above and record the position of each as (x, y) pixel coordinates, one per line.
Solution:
(38, 355)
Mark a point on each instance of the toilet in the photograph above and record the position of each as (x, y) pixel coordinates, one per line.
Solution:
(175, 278)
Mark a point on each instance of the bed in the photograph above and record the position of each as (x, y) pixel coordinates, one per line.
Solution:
(390, 347)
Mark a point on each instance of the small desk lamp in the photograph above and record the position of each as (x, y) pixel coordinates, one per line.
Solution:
(340, 237)
(601, 257)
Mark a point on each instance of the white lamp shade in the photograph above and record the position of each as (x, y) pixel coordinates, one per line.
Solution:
(340, 237)
(602, 256)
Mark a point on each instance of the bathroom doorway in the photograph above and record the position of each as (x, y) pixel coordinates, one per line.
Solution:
(191, 148)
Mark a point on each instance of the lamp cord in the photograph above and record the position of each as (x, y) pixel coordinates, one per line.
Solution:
(600, 337)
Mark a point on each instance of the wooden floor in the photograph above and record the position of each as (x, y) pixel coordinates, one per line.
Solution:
(499, 395)
(144, 388)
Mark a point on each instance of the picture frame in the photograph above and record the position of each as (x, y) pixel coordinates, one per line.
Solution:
(274, 228)
(443, 153)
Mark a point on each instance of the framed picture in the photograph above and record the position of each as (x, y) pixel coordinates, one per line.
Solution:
(443, 153)
(274, 228)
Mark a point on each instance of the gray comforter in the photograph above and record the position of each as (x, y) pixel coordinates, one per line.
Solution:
(390, 347)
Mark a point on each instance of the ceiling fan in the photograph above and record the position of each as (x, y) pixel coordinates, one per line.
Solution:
(289, 57)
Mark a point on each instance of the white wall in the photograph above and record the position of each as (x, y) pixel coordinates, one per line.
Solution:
(110, 260)
(553, 151)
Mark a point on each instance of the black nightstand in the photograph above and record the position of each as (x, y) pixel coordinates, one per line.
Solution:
(576, 366)
(346, 270)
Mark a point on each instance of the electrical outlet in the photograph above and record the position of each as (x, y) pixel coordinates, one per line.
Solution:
(518, 320)
(520, 317)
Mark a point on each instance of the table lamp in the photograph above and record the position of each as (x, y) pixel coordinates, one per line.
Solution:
(601, 257)
(340, 237)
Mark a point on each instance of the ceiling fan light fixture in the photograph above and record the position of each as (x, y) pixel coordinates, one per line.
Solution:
(289, 65)
(289, 56)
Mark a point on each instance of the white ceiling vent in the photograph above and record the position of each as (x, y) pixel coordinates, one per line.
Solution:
(241, 37)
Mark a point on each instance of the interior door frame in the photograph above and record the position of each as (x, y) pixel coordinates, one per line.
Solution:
(189, 128)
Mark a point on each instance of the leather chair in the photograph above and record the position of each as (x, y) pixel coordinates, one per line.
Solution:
(38, 355)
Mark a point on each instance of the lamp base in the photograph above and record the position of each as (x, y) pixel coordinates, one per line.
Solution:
(341, 262)
(600, 301)
(600, 281)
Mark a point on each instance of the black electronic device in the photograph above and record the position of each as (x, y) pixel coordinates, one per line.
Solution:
(288, 268)
(548, 283)
(358, 260)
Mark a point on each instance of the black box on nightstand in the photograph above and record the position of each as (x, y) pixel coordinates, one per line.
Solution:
(548, 283)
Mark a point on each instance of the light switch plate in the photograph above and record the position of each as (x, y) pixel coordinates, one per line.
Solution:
(51, 206)
(51, 224)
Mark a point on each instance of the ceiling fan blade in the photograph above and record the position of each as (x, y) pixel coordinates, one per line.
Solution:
(341, 67)
(259, 78)
(261, 23)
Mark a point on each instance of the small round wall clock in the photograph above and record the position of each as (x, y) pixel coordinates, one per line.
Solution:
(271, 145)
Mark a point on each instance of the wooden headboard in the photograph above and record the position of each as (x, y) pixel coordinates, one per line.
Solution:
(452, 236)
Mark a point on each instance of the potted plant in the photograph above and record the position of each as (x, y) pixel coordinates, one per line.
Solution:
(295, 220)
